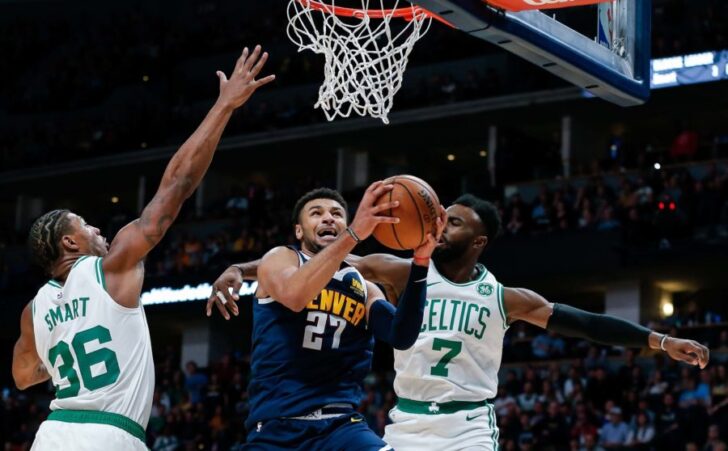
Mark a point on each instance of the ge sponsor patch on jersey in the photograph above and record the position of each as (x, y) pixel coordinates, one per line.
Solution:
(485, 289)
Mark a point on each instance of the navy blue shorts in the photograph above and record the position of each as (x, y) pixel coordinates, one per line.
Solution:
(347, 432)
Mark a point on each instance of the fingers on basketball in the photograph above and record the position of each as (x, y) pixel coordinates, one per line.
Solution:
(378, 189)
(419, 212)
(385, 206)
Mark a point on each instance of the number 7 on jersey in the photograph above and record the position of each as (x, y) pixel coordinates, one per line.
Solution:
(453, 347)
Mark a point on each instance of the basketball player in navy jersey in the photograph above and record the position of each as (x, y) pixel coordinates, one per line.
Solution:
(443, 389)
(314, 323)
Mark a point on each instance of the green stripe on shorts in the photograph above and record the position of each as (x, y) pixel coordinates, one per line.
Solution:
(97, 417)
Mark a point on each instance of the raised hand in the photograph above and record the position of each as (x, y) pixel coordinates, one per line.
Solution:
(235, 91)
(367, 216)
(424, 252)
(221, 296)
(688, 351)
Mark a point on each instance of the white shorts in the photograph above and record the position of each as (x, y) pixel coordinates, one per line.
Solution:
(62, 436)
(464, 430)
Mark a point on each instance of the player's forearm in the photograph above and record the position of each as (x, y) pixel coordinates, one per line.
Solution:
(248, 270)
(410, 309)
(187, 167)
(28, 370)
(383, 269)
(308, 280)
(182, 176)
(401, 327)
(603, 329)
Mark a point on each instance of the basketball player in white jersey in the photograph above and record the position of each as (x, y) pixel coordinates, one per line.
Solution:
(85, 329)
(445, 380)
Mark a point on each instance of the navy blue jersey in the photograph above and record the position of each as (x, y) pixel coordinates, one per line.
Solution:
(307, 360)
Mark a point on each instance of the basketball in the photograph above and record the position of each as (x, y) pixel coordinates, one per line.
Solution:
(418, 210)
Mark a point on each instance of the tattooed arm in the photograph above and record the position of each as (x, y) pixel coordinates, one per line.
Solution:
(122, 266)
(28, 369)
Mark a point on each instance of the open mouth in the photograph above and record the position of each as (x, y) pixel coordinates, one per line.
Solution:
(327, 234)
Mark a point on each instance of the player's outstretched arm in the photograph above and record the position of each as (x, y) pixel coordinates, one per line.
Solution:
(294, 286)
(529, 306)
(385, 269)
(28, 369)
(187, 167)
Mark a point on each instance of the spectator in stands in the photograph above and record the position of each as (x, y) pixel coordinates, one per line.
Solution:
(525, 441)
(541, 211)
(601, 387)
(195, 382)
(642, 434)
(562, 216)
(714, 441)
(541, 346)
(237, 204)
(691, 396)
(552, 430)
(586, 217)
(528, 399)
(591, 444)
(549, 394)
(668, 423)
(614, 434)
(516, 225)
(504, 403)
(607, 220)
(166, 441)
(723, 340)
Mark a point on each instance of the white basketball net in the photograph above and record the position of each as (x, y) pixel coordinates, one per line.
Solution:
(365, 58)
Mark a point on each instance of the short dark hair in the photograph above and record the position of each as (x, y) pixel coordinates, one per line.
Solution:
(318, 193)
(485, 210)
(45, 235)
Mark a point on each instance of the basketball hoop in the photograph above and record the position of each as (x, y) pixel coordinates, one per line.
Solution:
(365, 59)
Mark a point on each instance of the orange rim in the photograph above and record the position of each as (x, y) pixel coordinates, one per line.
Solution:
(408, 14)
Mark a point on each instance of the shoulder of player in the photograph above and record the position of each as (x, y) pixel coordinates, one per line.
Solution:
(26, 315)
(280, 253)
(28, 309)
(278, 258)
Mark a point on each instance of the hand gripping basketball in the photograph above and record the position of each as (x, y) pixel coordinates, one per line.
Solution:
(368, 215)
(424, 252)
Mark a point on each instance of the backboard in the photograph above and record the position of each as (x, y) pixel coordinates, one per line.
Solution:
(613, 62)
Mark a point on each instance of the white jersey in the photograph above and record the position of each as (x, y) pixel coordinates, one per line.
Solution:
(458, 352)
(97, 352)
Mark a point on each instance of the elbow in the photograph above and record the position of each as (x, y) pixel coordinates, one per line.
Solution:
(295, 302)
(403, 340)
(403, 345)
(297, 306)
(21, 383)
